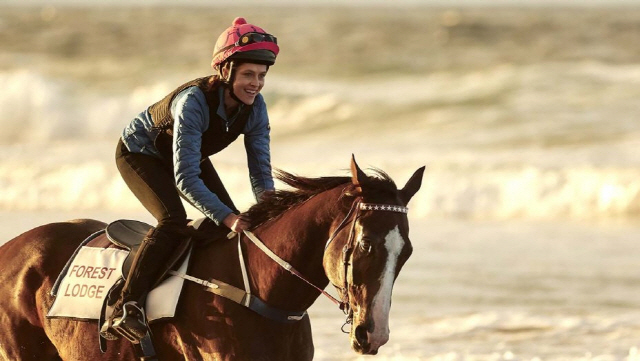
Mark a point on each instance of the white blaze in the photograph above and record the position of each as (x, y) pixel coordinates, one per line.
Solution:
(382, 300)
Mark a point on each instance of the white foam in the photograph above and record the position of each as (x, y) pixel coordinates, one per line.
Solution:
(68, 176)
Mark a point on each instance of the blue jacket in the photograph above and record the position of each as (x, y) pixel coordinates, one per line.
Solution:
(190, 111)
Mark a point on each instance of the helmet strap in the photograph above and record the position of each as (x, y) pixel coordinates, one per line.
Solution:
(233, 95)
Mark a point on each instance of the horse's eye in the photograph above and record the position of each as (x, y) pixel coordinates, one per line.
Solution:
(365, 245)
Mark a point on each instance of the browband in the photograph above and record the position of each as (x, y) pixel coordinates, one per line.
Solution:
(383, 207)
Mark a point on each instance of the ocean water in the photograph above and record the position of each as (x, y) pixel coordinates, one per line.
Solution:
(526, 228)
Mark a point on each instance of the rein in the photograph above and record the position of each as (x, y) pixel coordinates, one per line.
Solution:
(286, 265)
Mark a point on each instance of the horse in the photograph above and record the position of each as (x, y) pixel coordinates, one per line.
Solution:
(352, 232)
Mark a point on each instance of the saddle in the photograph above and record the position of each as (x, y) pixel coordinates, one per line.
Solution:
(128, 234)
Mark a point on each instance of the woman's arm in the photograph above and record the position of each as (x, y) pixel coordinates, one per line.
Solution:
(191, 114)
(257, 144)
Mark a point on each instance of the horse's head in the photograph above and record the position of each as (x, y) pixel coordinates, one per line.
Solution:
(371, 245)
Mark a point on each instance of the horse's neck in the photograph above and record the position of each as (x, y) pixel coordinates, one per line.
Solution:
(298, 237)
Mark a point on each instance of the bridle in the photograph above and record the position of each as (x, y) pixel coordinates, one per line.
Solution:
(349, 246)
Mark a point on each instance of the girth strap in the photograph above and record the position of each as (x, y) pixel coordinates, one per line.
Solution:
(246, 299)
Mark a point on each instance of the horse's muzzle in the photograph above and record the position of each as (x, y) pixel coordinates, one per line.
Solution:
(360, 341)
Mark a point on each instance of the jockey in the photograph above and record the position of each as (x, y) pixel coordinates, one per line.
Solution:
(163, 156)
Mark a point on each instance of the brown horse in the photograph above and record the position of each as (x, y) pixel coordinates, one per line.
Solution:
(362, 217)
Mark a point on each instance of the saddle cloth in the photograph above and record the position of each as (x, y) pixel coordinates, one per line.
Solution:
(86, 280)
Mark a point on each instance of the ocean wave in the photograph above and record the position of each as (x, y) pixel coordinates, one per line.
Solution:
(36, 108)
(515, 192)
(581, 192)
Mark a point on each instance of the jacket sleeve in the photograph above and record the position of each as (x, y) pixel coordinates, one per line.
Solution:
(191, 114)
(256, 141)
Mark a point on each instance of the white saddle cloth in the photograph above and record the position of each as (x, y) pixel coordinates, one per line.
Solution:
(90, 276)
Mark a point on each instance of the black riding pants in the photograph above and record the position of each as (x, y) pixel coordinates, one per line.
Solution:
(151, 181)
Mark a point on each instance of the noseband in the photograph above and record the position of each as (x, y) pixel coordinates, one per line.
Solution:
(349, 246)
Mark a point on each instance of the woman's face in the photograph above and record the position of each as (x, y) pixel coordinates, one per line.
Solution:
(249, 80)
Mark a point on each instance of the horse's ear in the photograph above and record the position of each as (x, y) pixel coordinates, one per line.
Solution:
(412, 186)
(357, 175)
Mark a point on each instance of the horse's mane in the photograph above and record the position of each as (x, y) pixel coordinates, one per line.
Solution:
(275, 203)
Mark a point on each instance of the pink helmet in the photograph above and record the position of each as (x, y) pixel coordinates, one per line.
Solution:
(245, 42)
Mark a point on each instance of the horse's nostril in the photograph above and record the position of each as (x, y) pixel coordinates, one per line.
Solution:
(361, 335)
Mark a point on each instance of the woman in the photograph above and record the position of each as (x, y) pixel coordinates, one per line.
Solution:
(163, 155)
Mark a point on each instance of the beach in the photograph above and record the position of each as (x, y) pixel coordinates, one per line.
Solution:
(525, 230)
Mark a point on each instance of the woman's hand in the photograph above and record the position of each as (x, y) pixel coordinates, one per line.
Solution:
(237, 223)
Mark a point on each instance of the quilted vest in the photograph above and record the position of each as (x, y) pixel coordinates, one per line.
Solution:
(217, 137)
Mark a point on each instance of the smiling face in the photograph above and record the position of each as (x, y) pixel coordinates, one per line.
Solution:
(248, 81)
